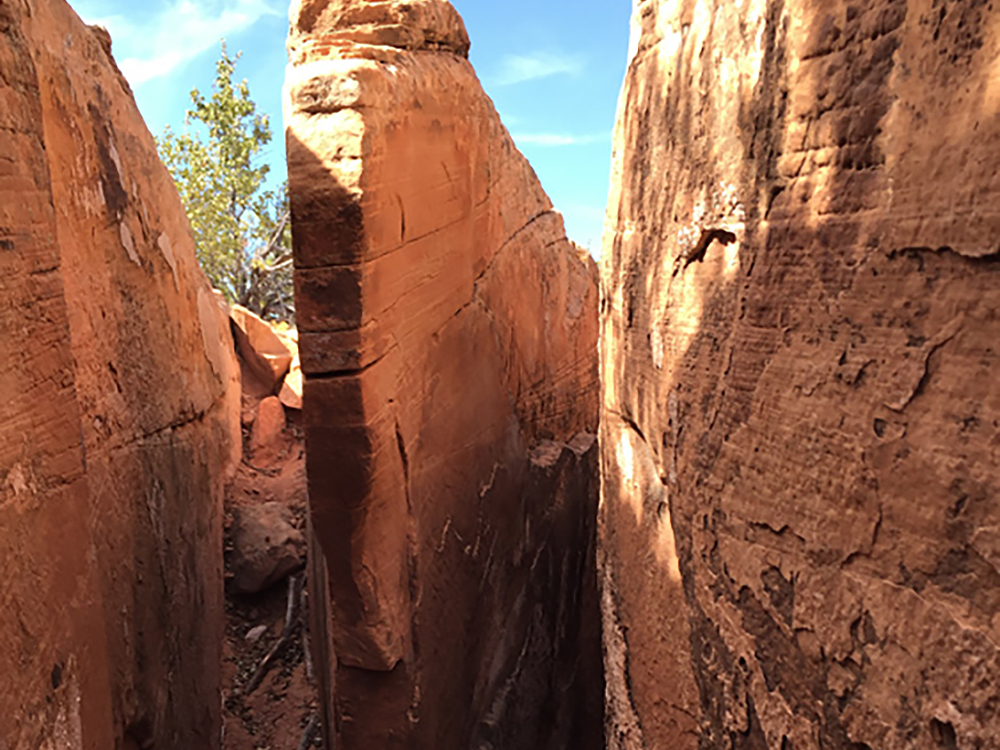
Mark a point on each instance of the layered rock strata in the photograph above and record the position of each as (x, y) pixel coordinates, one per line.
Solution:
(448, 338)
(117, 413)
(801, 403)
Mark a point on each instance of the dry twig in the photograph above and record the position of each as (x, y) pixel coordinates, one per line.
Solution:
(309, 735)
(291, 618)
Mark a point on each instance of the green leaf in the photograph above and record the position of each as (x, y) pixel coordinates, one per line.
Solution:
(241, 232)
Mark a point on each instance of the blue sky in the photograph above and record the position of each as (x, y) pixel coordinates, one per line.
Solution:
(553, 67)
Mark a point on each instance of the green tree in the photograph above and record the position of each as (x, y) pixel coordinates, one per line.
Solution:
(241, 229)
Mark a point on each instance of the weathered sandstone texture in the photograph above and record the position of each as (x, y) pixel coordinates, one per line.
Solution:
(800, 530)
(116, 413)
(448, 337)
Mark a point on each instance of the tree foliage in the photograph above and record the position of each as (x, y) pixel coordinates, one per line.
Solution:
(240, 228)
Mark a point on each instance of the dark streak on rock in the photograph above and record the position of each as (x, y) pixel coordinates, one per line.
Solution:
(111, 181)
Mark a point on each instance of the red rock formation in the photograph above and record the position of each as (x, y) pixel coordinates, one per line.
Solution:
(800, 393)
(116, 416)
(447, 328)
(264, 357)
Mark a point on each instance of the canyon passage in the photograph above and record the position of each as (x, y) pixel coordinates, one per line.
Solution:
(732, 487)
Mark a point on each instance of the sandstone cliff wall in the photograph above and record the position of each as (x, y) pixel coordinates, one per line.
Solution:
(448, 335)
(801, 404)
(116, 415)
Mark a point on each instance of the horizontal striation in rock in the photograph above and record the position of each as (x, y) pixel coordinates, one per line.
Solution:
(448, 329)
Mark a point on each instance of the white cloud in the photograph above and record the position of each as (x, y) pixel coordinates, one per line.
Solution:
(530, 67)
(179, 31)
(558, 139)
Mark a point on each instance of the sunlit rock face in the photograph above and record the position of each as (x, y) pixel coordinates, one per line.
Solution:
(448, 335)
(116, 413)
(801, 403)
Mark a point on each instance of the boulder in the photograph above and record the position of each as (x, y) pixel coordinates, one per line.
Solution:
(268, 425)
(291, 388)
(264, 354)
(447, 327)
(266, 547)
(801, 379)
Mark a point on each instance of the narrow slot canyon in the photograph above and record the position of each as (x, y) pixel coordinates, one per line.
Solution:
(731, 486)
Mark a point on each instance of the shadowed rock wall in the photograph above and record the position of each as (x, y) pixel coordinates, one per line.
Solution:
(448, 336)
(116, 413)
(801, 405)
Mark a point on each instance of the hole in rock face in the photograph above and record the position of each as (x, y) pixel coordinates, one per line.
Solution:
(139, 735)
(697, 254)
(944, 735)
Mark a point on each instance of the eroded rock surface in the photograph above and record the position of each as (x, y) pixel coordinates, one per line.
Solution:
(447, 330)
(118, 423)
(801, 408)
